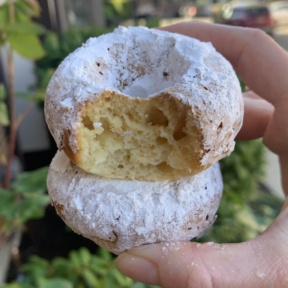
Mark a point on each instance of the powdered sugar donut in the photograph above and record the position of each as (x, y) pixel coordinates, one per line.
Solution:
(144, 104)
(121, 214)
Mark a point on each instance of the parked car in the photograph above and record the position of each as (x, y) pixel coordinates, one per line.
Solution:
(279, 12)
(248, 15)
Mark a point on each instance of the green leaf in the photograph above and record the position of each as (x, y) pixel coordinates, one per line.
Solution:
(4, 15)
(103, 253)
(51, 43)
(27, 45)
(90, 279)
(121, 279)
(28, 209)
(36, 261)
(97, 263)
(30, 8)
(7, 201)
(85, 256)
(141, 285)
(56, 282)
(75, 259)
(26, 200)
(62, 266)
(12, 285)
(24, 28)
(33, 182)
(2, 92)
(4, 119)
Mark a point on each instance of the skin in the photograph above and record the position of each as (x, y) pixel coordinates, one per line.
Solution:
(263, 261)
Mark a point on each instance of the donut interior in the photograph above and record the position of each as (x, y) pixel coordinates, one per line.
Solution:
(137, 138)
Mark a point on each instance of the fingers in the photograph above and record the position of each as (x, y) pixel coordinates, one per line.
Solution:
(261, 62)
(262, 262)
(262, 120)
(276, 134)
(194, 265)
(263, 65)
(257, 114)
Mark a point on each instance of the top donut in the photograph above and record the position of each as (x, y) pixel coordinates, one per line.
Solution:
(144, 104)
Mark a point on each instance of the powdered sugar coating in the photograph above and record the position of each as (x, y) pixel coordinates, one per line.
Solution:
(141, 62)
(121, 214)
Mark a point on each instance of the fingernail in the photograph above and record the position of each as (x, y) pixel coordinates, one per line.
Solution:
(137, 268)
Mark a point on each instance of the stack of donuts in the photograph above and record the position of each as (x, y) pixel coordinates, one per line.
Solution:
(141, 118)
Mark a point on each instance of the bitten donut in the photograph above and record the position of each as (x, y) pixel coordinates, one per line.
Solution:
(121, 214)
(144, 104)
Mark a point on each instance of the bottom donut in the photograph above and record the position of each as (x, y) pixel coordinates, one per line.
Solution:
(121, 214)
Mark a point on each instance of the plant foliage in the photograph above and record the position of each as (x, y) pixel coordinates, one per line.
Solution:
(21, 33)
(25, 200)
(56, 49)
(80, 269)
(117, 10)
(4, 119)
(245, 209)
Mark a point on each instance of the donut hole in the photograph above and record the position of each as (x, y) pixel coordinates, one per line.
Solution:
(145, 139)
(136, 87)
(146, 68)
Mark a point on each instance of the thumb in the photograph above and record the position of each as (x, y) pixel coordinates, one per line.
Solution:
(262, 262)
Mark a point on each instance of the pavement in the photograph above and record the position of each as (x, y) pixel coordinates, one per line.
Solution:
(272, 174)
(5, 253)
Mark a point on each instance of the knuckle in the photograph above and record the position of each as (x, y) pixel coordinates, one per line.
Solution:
(257, 35)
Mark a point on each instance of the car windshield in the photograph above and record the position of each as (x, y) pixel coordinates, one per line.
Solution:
(241, 12)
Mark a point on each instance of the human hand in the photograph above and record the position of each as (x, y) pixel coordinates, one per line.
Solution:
(263, 261)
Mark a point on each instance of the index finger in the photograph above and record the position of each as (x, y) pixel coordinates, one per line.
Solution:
(257, 58)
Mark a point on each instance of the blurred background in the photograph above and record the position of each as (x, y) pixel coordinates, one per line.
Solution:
(36, 248)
